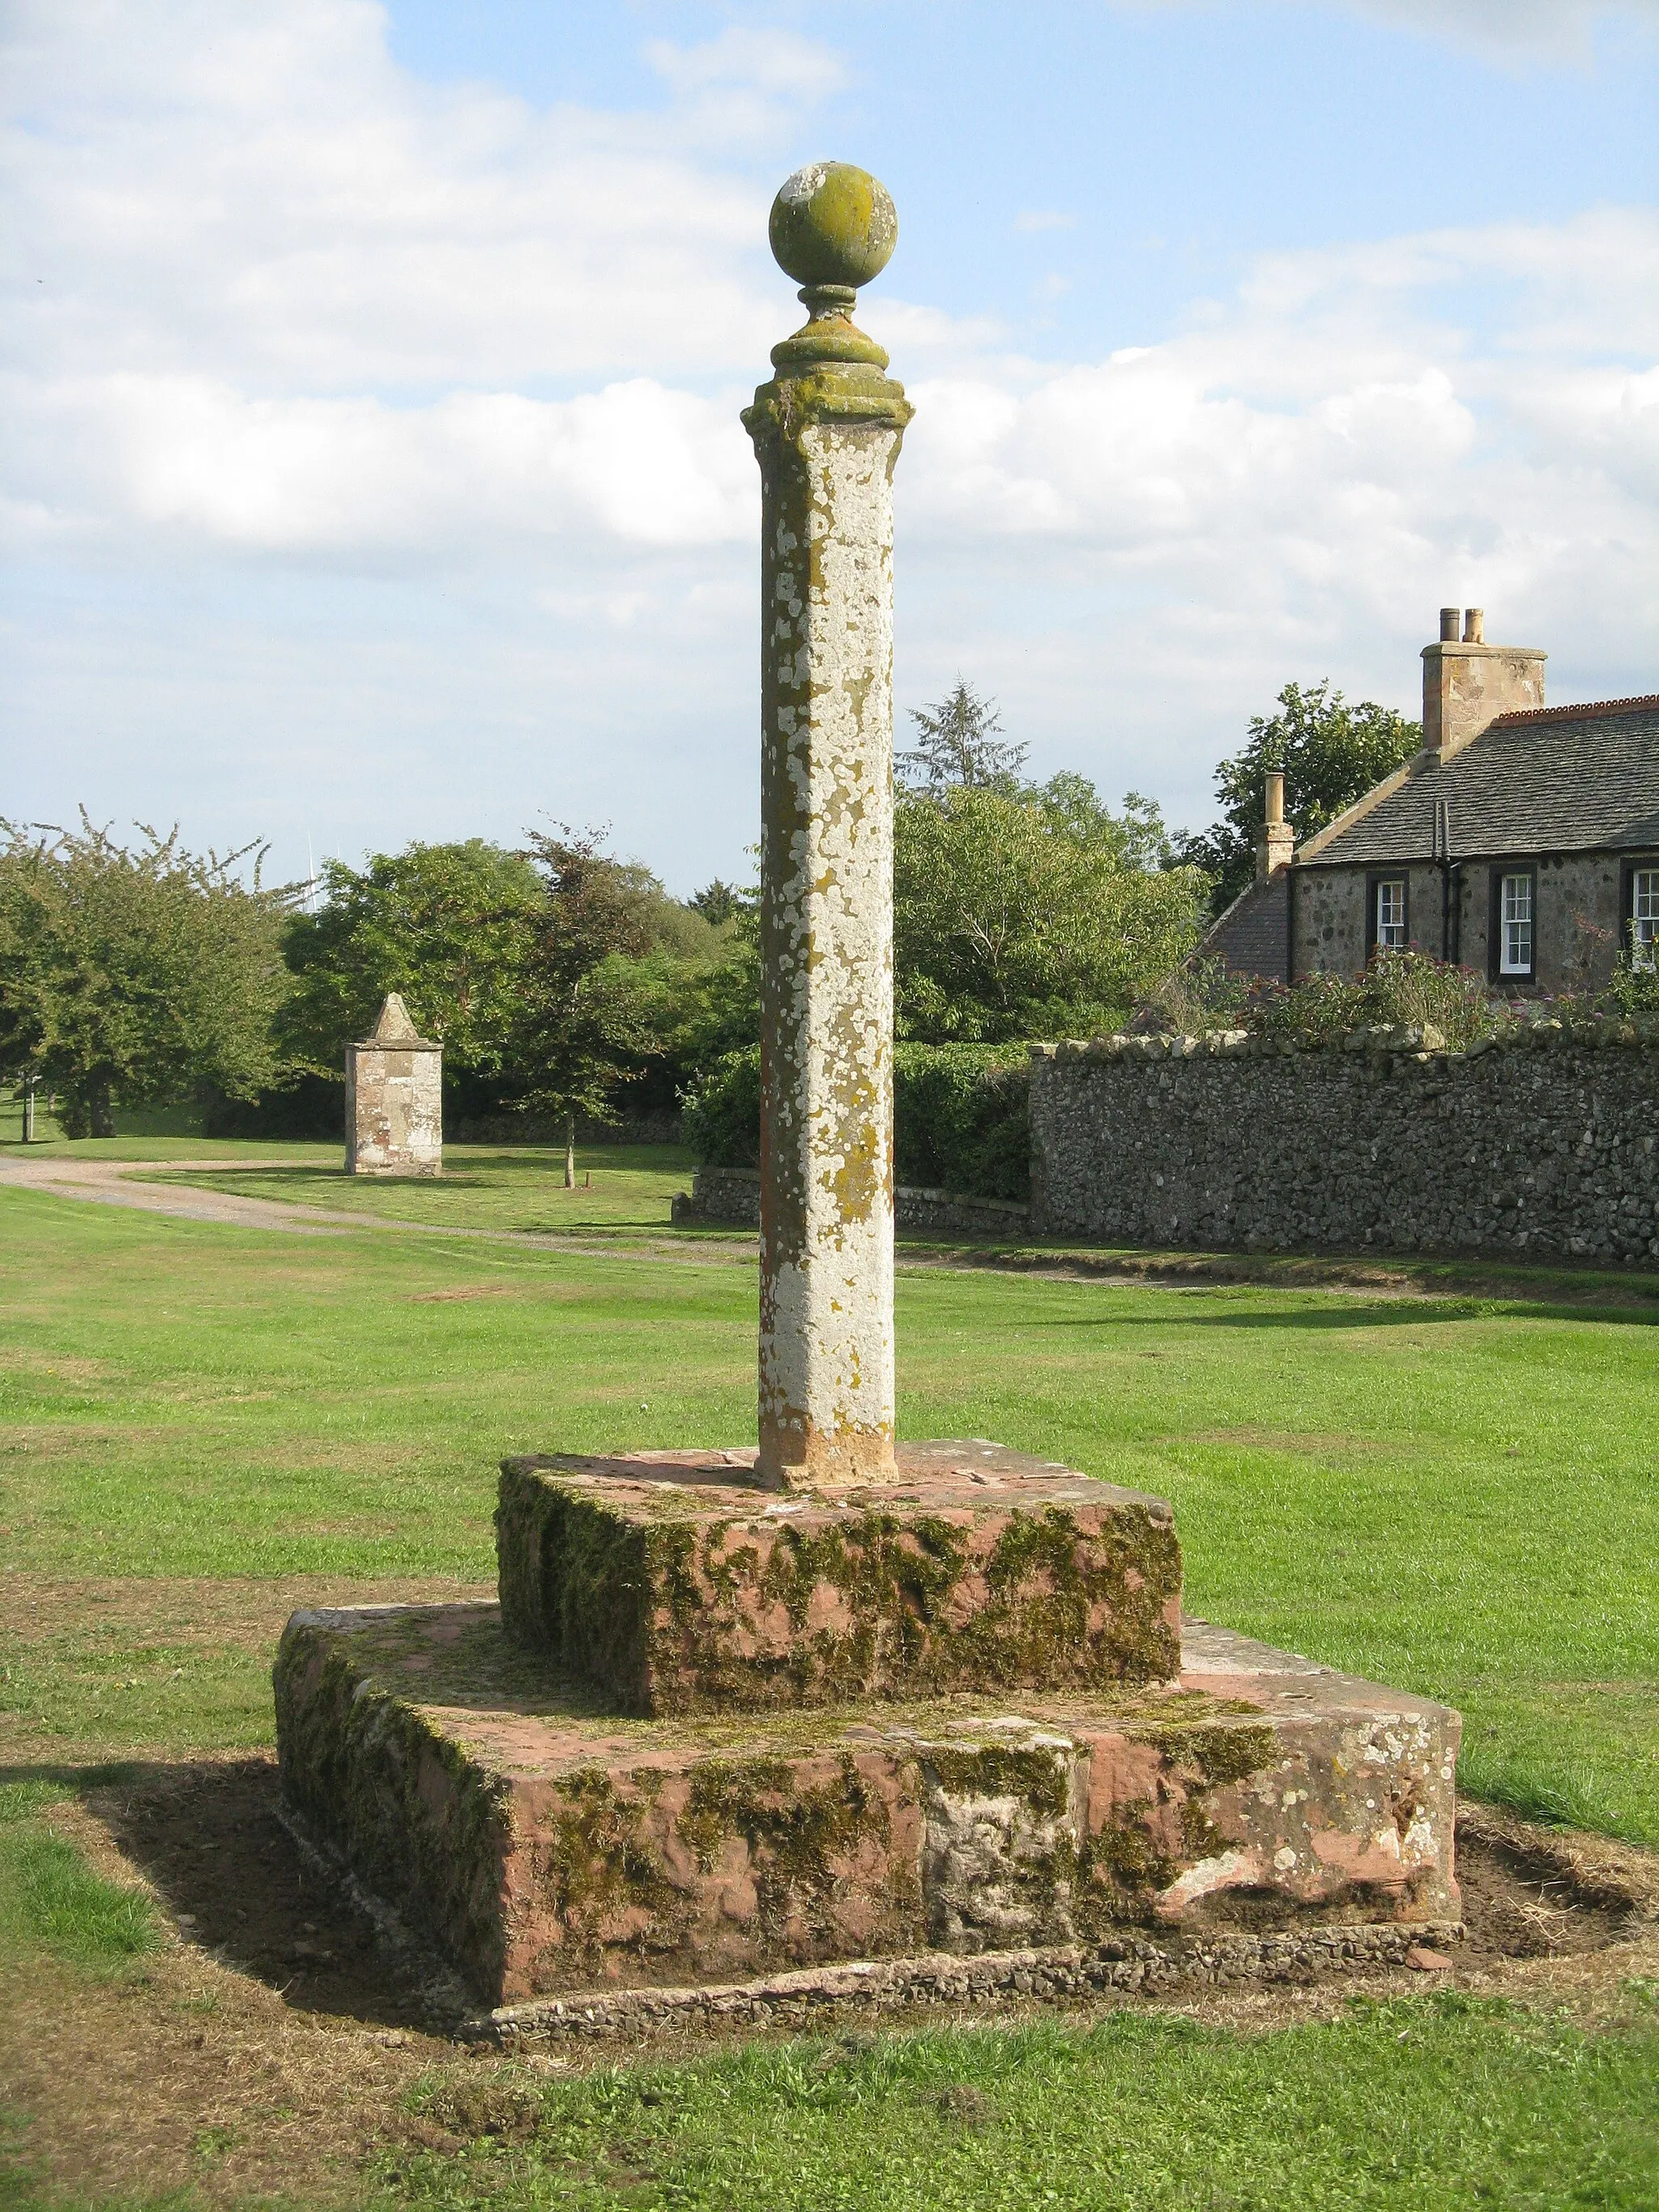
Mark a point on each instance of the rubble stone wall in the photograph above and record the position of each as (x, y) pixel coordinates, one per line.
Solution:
(1545, 1145)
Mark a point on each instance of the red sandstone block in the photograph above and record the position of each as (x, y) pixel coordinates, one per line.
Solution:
(550, 1849)
(670, 1582)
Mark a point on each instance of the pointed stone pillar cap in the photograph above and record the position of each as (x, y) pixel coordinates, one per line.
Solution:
(394, 1029)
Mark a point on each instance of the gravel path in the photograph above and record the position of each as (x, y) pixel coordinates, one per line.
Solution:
(108, 1183)
(116, 1182)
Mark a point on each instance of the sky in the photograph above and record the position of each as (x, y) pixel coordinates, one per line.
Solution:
(370, 467)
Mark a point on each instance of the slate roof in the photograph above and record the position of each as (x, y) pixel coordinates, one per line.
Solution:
(1555, 779)
(1252, 937)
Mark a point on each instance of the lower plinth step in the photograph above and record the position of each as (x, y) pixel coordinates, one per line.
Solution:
(677, 1586)
(547, 1846)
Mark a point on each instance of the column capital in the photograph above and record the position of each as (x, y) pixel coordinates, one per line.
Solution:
(832, 228)
(829, 371)
(823, 388)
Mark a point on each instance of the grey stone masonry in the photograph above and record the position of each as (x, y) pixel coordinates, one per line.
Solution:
(827, 430)
(1541, 1144)
(394, 1099)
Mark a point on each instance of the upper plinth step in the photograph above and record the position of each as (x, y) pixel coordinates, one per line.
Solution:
(674, 1585)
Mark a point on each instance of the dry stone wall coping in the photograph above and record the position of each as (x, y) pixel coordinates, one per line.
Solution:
(1552, 1035)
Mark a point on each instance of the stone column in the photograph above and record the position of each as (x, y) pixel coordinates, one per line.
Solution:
(394, 1099)
(827, 431)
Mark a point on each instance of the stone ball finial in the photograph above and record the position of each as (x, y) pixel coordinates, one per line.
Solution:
(833, 224)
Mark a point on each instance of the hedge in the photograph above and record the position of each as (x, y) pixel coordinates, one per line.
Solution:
(959, 1117)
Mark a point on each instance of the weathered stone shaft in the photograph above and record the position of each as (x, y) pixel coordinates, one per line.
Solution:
(827, 441)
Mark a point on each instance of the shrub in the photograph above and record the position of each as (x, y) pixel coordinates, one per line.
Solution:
(1633, 990)
(720, 1114)
(1418, 991)
(1317, 1010)
(1198, 995)
(1406, 989)
(960, 1120)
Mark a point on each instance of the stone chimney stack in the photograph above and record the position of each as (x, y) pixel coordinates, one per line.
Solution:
(1278, 840)
(1467, 683)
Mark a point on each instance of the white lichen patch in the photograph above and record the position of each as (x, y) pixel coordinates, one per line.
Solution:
(805, 181)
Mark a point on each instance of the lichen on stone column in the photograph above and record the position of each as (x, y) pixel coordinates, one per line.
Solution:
(827, 431)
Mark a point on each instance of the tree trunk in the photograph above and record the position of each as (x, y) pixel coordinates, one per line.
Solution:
(101, 1112)
(570, 1151)
(28, 1111)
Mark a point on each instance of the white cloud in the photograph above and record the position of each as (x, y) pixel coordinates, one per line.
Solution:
(1558, 29)
(395, 425)
(751, 59)
(1298, 482)
(1552, 27)
(260, 193)
(471, 477)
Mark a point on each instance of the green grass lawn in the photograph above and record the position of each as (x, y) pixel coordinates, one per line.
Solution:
(620, 1188)
(1456, 1496)
(1406, 2108)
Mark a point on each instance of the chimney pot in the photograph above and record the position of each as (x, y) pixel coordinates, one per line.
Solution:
(1275, 797)
(1474, 626)
(1448, 625)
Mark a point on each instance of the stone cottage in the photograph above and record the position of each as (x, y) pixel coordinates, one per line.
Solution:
(1522, 841)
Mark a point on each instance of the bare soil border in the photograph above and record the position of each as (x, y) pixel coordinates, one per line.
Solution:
(270, 2045)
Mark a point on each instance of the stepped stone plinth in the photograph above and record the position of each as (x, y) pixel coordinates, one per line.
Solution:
(840, 1700)
(551, 1846)
(673, 1584)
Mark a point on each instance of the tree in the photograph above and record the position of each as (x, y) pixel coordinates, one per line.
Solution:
(718, 903)
(487, 946)
(587, 1015)
(1031, 912)
(960, 746)
(1330, 755)
(143, 974)
(449, 926)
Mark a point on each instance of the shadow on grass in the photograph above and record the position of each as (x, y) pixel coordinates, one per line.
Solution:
(204, 1178)
(1418, 1313)
(207, 1836)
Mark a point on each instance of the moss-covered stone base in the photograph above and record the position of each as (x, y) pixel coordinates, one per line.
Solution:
(675, 1586)
(548, 1847)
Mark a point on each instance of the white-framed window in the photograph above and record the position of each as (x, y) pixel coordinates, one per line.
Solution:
(1391, 914)
(1645, 917)
(1515, 925)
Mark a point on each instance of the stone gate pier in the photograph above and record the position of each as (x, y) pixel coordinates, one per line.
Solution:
(394, 1099)
(831, 1715)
